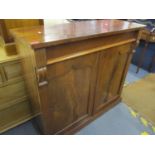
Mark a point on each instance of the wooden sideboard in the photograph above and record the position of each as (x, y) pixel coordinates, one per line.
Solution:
(74, 72)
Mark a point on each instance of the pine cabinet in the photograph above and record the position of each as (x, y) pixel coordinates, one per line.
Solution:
(14, 102)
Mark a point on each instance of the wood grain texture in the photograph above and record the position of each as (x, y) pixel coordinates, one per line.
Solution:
(29, 73)
(40, 36)
(69, 84)
(15, 115)
(7, 24)
(6, 58)
(84, 52)
(77, 70)
(6, 40)
(109, 80)
(14, 102)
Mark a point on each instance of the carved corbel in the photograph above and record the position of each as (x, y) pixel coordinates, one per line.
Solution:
(42, 76)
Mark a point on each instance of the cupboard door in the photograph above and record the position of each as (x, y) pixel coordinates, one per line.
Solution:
(69, 89)
(112, 64)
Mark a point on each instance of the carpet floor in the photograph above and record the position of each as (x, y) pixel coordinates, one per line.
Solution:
(140, 96)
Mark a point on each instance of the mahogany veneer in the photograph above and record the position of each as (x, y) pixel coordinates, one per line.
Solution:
(75, 71)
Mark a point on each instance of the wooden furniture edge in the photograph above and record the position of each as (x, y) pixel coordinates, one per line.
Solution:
(18, 122)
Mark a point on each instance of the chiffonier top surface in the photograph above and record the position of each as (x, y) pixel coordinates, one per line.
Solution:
(45, 36)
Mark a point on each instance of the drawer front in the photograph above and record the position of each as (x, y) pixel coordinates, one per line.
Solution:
(12, 93)
(14, 115)
(85, 46)
(12, 70)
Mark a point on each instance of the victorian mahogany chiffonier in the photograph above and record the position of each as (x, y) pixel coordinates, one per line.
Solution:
(74, 72)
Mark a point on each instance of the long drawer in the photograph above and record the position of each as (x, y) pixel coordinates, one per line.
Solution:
(12, 93)
(15, 115)
(12, 70)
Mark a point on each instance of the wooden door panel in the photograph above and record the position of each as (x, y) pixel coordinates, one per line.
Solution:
(69, 89)
(116, 81)
(111, 67)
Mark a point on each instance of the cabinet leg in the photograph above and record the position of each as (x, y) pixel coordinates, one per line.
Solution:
(142, 54)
